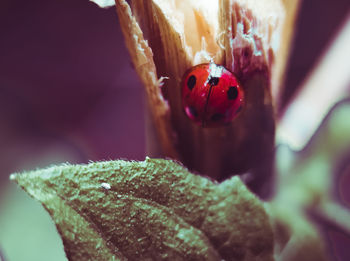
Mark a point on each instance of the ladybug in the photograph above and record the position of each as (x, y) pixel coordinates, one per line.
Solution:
(211, 95)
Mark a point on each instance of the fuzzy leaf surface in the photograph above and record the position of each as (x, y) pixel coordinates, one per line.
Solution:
(150, 210)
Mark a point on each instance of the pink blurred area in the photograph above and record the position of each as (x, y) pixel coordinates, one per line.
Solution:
(68, 91)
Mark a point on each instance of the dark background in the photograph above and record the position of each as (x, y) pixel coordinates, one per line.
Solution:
(68, 91)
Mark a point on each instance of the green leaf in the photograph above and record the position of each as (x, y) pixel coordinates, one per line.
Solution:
(150, 210)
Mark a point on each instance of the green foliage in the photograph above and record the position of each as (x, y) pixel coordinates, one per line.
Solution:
(150, 210)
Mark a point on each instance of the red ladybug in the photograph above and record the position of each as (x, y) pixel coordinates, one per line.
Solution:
(211, 95)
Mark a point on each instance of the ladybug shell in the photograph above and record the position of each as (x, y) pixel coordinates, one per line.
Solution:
(211, 95)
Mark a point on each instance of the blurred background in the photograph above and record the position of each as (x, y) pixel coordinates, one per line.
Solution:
(68, 93)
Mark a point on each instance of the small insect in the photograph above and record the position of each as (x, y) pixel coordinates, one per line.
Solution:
(211, 95)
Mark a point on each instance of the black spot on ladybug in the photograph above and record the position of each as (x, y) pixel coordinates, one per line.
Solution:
(191, 82)
(193, 111)
(217, 117)
(232, 92)
(213, 81)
